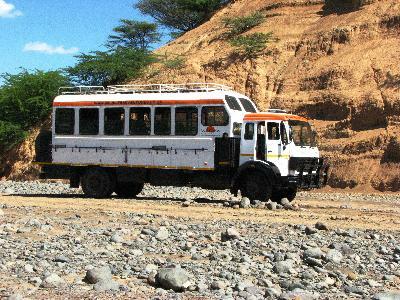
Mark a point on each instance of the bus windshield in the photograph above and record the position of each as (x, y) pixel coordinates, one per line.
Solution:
(302, 134)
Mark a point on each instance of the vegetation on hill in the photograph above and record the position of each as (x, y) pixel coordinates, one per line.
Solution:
(26, 101)
(238, 25)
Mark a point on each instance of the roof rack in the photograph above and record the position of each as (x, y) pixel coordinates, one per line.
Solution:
(145, 88)
(82, 90)
(277, 111)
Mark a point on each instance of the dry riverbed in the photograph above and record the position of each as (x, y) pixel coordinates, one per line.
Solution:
(195, 244)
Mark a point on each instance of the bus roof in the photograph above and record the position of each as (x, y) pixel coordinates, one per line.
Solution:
(265, 116)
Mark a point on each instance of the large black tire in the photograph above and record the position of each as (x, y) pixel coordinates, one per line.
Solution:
(98, 183)
(128, 189)
(277, 196)
(256, 186)
(291, 194)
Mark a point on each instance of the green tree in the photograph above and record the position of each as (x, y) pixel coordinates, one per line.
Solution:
(134, 34)
(110, 67)
(180, 15)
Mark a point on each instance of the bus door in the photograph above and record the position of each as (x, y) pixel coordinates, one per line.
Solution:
(248, 142)
(277, 152)
(261, 141)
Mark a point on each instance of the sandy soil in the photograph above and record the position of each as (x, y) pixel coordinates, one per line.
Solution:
(343, 213)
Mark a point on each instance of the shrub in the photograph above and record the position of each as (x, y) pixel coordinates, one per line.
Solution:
(177, 62)
(240, 25)
(26, 98)
(253, 44)
(345, 4)
(25, 101)
(10, 136)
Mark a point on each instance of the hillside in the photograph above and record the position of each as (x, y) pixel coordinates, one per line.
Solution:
(341, 70)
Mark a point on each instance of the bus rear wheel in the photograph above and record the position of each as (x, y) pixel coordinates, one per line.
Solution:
(128, 189)
(97, 183)
(256, 186)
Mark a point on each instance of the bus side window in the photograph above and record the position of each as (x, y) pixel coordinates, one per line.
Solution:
(273, 131)
(214, 116)
(140, 121)
(162, 121)
(114, 121)
(237, 129)
(186, 121)
(65, 121)
(89, 121)
(249, 131)
(233, 103)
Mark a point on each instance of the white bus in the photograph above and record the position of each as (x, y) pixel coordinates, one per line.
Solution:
(205, 135)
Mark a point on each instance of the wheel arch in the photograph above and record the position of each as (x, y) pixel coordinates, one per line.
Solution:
(270, 170)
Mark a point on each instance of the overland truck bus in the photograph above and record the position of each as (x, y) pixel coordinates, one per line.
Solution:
(203, 135)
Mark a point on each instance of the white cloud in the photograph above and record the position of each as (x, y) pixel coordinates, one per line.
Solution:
(48, 49)
(8, 10)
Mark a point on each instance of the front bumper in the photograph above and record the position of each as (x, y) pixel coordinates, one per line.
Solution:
(311, 173)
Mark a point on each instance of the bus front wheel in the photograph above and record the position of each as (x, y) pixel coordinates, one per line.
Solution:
(256, 186)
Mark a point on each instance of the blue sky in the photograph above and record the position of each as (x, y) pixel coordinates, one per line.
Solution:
(46, 34)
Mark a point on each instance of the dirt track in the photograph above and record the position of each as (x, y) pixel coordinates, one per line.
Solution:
(359, 214)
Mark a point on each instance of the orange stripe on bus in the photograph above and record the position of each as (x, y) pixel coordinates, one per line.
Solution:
(139, 102)
(272, 116)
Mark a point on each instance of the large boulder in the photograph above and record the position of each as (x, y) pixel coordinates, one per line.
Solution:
(174, 279)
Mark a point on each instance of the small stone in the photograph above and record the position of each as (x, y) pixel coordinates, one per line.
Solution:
(272, 293)
(147, 231)
(285, 202)
(186, 204)
(313, 253)
(310, 231)
(15, 297)
(162, 234)
(334, 256)
(116, 238)
(61, 259)
(98, 274)
(352, 275)
(35, 281)
(372, 283)
(8, 191)
(284, 267)
(245, 203)
(28, 268)
(52, 281)
(1, 212)
(218, 285)
(106, 285)
(387, 296)
(271, 205)
(230, 234)
(321, 226)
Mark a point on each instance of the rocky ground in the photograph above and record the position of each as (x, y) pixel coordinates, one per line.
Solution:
(178, 243)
